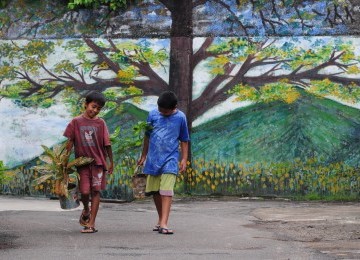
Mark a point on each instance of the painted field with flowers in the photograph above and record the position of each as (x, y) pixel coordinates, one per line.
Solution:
(304, 179)
(310, 179)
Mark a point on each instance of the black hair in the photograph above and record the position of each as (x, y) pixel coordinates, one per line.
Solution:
(97, 97)
(167, 100)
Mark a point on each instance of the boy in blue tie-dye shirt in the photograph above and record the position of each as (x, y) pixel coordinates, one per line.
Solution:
(161, 155)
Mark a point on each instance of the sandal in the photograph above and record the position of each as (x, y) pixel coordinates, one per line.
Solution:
(166, 231)
(89, 230)
(156, 228)
(84, 219)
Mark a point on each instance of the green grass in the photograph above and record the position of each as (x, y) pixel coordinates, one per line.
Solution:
(330, 198)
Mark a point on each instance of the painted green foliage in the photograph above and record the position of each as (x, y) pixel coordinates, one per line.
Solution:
(113, 4)
(3, 176)
(255, 70)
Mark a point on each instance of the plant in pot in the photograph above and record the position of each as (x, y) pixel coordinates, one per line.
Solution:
(59, 167)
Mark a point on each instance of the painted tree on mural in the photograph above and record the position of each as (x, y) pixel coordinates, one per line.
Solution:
(125, 71)
(230, 69)
(183, 60)
(252, 70)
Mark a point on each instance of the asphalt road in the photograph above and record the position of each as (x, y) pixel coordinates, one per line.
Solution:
(205, 228)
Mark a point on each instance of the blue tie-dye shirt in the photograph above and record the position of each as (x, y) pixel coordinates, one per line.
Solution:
(167, 131)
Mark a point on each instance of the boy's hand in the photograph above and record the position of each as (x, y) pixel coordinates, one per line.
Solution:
(141, 161)
(183, 165)
(110, 168)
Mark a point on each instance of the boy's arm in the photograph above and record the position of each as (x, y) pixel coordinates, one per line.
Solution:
(144, 151)
(110, 155)
(184, 155)
(68, 147)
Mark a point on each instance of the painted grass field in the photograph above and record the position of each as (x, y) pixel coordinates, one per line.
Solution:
(311, 179)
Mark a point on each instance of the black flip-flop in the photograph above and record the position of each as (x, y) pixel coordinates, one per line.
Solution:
(89, 230)
(166, 231)
(156, 228)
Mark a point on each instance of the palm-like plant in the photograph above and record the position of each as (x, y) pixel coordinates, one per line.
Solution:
(58, 167)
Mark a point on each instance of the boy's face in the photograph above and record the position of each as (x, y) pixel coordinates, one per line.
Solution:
(92, 109)
(166, 111)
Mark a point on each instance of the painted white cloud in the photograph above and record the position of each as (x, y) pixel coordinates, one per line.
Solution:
(23, 130)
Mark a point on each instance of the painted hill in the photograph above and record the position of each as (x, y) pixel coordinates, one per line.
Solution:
(125, 118)
(270, 132)
(278, 132)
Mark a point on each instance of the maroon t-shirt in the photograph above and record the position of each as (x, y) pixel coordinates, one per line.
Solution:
(90, 136)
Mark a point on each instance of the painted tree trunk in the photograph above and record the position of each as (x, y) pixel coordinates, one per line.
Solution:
(181, 52)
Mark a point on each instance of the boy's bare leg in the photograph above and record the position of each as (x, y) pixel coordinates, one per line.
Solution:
(165, 210)
(95, 202)
(157, 201)
(85, 201)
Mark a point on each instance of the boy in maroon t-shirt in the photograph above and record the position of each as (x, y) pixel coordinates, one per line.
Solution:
(90, 137)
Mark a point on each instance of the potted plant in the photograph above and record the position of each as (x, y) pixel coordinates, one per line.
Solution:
(59, 167)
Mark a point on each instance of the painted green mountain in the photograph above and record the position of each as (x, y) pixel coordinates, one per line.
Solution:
(126, 118)
(268, 132)
(279, 132)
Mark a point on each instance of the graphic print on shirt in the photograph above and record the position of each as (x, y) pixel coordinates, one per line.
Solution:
(97, 180)
(88, 135)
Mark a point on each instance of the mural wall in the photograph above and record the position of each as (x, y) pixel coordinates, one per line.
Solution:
(273, 106)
